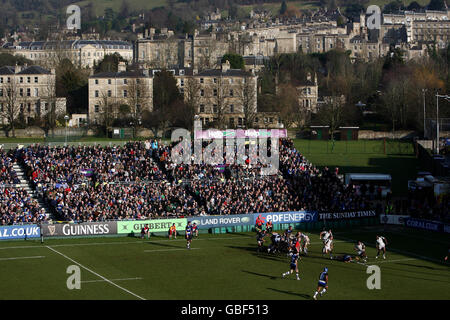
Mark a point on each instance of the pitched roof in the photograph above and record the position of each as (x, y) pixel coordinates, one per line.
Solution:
(228, 73)
(26, 70)
(122, 74)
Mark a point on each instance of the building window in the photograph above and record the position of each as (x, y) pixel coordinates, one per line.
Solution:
(36, 92)
(1, 92)
(201, 80)
(215, 92)
(96, 93)
(125, 93)
(202, 92)
(36, 80)
(215, 80)
(231, 122)
(109, 81)
(21, 92)
(125, 81)
(96, 108)
(240, 121)
(231, 93)
(109, 93)
(1, 80)
(21, 79)
(202, 108)
(28, 92)
(96, 81)
(181, 82)
(231, 108)
(9, 80)
(28, 79)
(29, 107)
(215, 108)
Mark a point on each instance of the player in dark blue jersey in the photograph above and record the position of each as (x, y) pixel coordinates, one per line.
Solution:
(322, 286)
(260, 240)
(188, 235)
(293, 266)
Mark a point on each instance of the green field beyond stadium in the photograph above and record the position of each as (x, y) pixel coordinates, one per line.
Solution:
(224, 266)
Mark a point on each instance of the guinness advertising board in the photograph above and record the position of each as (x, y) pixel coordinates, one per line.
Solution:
(79, 229)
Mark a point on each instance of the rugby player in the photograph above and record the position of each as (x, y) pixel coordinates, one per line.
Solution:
(145, 231)
(195, 230)
(260, 240)
(173, 231)
(276, 239)
(322, 286)
(325, 235)
(293, 265)
(328, 248)
(188, 235)
(381, 246)
(361, 249)
(269, 226)
(305, 243)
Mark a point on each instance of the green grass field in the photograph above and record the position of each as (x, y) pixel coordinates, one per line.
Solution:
(365, 156)
(224, 266)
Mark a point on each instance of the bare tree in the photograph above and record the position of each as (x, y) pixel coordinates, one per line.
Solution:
(11, 103)
(219, 98)
(246, 94)
(51, 100)
(107, 106)
(331, 113)
(191, 98)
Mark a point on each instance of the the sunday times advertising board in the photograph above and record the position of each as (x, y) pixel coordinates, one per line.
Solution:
(79, 229)
(206, 222)
(346, 215)
(156, 225)
(19, 232)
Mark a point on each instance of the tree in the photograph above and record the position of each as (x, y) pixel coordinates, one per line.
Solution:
(166, 95)
(438, 5)
(219, 99)
(110, 63)
(51, 99)
(107, 109)
(331, 114)
(247, 97)
(236, 60)
(287, 104)
(11, 105)
(283, 8)
(7, 59)
(191, 99)
(138, 99)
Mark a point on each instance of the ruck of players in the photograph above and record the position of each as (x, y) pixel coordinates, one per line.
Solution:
(295, 246)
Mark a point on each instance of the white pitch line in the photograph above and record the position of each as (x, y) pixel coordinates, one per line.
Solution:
(19, 258)
(95, 273)
(166, 250)
(384, 261)
(125, 279)
(118, 242)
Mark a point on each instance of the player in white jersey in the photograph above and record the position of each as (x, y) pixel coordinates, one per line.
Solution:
(325, 235)
(361, 249)
(381, 246)
(305, 243)
(328, 248)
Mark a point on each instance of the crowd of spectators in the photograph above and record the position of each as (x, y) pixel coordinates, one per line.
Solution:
(139, 180)
(16, 205)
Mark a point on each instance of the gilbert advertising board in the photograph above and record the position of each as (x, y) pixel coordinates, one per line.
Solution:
(222, 221)
(19, 232)
(156, 225)
(79, 229)
(286, 217)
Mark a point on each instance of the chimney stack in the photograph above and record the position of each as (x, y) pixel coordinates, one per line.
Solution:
(122, 67)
